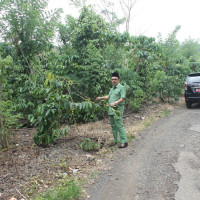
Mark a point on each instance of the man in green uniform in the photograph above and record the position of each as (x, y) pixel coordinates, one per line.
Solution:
(116, 100)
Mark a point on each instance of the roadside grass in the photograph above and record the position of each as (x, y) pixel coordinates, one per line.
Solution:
(165, 113)
(149, 121)
(133, 129)
(130, 137)
(152, 118)
(65, 190)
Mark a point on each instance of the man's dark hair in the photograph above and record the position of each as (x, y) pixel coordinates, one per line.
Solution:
(115, 74)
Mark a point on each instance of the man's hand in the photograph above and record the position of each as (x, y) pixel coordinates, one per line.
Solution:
(112, 104)
(98, 98)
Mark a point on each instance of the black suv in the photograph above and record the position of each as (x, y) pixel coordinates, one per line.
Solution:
(192, 89)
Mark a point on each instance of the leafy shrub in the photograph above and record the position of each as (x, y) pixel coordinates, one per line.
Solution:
(136, 103)
(87, 145)
(48, 121)
(48, 114)
(167, 87)
(8, 119)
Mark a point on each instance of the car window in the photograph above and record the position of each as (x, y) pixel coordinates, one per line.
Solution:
(194, 79)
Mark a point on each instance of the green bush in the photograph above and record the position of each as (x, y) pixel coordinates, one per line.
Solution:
(8, 119)
(87, 145)
(47, 116)
(167, 87)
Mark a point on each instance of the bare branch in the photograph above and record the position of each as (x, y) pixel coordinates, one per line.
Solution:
(127, 6)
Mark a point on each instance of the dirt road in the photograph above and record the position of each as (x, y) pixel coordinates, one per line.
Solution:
(162, 163)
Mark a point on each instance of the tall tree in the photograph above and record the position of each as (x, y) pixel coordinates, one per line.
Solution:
(78, 3)
(170, 50)
(191, 49)
(109, 12)
(127, 6)
(27, 25)
(89, 34)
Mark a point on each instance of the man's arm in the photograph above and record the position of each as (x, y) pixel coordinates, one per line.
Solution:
(102, 98)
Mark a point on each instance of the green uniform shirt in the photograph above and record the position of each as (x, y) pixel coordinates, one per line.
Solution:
(115, 94)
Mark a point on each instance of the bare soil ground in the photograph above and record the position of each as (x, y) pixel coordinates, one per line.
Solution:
(26, 170)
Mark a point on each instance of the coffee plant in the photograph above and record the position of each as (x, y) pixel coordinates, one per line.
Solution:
(88, 145)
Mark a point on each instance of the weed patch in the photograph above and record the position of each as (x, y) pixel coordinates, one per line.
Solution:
(66, 190)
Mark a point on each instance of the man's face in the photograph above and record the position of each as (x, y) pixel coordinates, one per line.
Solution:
(115, 80)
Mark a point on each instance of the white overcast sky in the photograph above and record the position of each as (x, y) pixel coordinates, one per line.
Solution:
(153, 16)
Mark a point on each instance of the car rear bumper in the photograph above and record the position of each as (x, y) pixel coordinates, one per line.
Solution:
(192, 99)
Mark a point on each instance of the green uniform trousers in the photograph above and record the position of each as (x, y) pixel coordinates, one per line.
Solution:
(118, 130)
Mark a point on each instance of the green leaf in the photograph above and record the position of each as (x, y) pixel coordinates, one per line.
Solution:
(48, 111)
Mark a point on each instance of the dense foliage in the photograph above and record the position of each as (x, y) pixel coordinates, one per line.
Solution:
(47, 85)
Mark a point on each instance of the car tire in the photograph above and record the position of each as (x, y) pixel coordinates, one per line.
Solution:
(188, 104)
